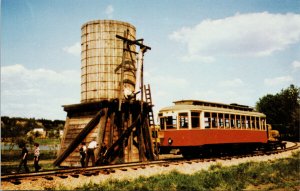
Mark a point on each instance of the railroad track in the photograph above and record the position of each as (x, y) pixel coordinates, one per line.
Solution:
(74, 172)
(107, 169)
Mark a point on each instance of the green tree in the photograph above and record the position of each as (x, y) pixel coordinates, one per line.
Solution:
(283, 111)
(48, 124)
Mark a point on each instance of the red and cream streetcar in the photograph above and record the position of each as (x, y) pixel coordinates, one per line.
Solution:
(200, 127)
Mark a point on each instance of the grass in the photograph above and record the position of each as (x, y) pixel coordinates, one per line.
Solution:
(48, 141)
(41, 141)
(10, 160)
(279, 174)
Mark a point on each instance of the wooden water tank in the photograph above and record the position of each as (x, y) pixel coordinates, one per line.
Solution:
(101, 54)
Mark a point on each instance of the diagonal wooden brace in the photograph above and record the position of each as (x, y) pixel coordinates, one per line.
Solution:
(80, 137)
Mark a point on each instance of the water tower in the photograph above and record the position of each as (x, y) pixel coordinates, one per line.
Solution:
(111, 79)
(101, 54)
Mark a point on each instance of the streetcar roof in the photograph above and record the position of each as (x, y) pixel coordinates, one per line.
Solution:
(194, 105)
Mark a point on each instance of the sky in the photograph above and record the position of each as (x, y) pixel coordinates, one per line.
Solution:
(226, 51)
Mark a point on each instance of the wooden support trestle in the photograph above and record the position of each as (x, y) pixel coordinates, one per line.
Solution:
(126, 134)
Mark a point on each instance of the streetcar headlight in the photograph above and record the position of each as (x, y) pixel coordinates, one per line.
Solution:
(170, 141)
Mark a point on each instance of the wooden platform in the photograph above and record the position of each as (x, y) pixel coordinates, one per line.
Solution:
(126, 132)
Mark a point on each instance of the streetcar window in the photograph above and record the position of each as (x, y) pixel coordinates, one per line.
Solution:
(263, 120)
(195, 119)
(183, 120)
(227, 125)
(232, 121)
(169, 121)
(257, 122)
(221, 120)
(162, 123)
(238, 121)
(252, 122)
(207, 120)
(247, 122)
(243, 122)
(214, 120)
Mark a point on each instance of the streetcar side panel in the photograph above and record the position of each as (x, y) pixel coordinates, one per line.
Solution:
(185, 138)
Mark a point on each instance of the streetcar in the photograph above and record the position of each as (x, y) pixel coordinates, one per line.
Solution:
(199, 127)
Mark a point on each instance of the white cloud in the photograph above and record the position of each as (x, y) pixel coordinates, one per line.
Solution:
(296, 64)
(109, 11)
(278, 80)
(253, 34)
(75, 49)
(37, 92)
(19, 74)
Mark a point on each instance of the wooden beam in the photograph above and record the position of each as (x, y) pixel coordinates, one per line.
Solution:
(119, 143)
(133, 42)
(147, 140)
(101, 129)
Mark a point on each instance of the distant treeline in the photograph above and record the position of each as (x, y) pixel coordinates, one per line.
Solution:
(283, 111)
(12, 127)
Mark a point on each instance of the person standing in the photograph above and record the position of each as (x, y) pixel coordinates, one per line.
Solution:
(36, 157)
(90, 152)
(102, 153)
(24, 156)
(82, 152)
